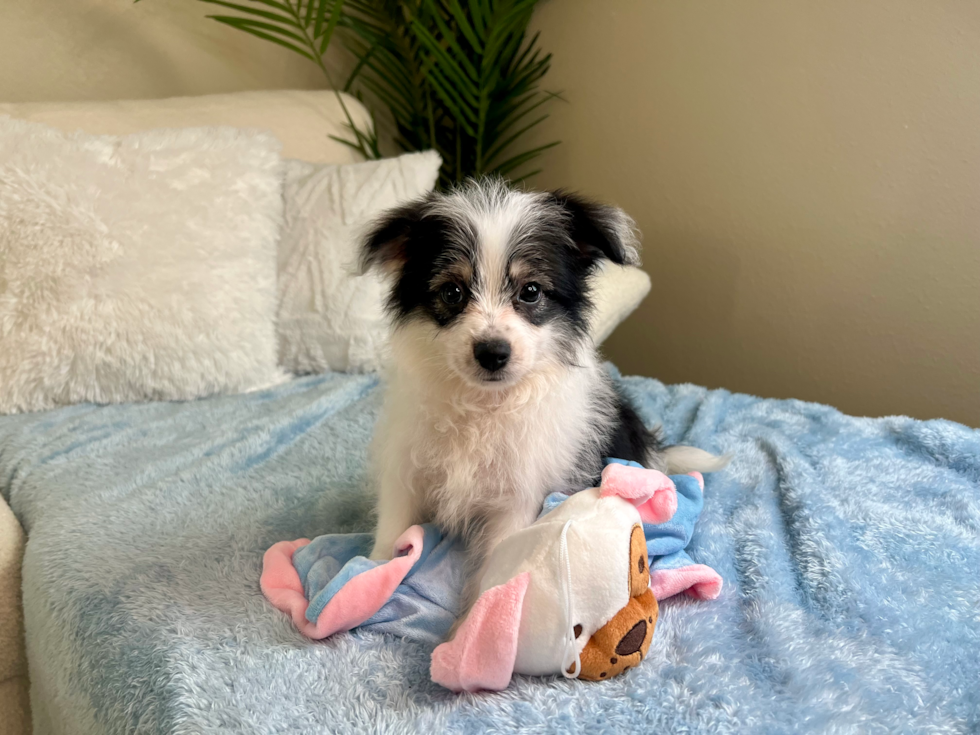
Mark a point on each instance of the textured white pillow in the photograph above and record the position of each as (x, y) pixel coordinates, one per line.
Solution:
(329, 318)
(136, 267)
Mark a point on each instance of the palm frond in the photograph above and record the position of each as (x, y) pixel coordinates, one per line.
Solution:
(457, 76)
(279, 17)
(256, 30)
(521, 158)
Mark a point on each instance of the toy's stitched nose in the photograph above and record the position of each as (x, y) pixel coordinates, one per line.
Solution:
(493, 354)
(633, 640)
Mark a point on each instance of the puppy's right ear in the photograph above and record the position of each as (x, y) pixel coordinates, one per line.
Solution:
(600, 231)
(386, 242)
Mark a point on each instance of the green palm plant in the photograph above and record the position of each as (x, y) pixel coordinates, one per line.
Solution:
(457, 76)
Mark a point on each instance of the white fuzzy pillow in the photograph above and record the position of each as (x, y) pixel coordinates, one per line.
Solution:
(330, 319)
(136, 267)
(616, 291)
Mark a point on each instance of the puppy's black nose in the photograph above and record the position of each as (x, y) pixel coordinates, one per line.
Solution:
(493, 354)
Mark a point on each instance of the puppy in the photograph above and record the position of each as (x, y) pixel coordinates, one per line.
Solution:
(496, 395)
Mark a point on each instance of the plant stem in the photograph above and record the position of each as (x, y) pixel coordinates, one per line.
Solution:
(369, 154)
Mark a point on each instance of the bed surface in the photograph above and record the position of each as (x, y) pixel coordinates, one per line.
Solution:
(850, 550)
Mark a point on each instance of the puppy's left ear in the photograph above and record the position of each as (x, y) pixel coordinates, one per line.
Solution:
(385, 246)
(600, 230)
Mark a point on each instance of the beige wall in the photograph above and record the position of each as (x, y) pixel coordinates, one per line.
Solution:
(807, 179)
(806, 174)
(56, 50)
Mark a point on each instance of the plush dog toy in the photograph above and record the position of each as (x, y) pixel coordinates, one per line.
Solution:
(569, 594)
(574, 594)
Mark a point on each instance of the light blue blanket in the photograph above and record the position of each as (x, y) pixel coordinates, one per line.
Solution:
(850, 550)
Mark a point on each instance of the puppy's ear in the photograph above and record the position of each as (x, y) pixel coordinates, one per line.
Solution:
(599, 230)
(386, 242)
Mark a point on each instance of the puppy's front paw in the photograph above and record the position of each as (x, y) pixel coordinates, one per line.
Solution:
(381, 552)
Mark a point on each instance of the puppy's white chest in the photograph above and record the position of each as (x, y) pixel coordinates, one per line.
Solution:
(479, 465)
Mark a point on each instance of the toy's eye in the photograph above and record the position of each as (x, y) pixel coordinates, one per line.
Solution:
(577, 630)
(530, 293)
(451, 293)
(641, 564)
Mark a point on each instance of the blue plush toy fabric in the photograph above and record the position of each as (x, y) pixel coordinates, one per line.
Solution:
(422, 608)
(425, 604)
(667, 542)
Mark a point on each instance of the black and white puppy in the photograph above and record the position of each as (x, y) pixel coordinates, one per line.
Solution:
(496, 395)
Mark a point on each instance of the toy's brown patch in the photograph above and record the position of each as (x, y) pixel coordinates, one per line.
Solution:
(639, 569)
(623, 641)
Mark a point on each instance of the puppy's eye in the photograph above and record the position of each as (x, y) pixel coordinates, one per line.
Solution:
(451, 293)
(530, 293)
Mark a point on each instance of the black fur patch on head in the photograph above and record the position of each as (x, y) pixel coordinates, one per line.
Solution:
(422, 252)
(545, 258)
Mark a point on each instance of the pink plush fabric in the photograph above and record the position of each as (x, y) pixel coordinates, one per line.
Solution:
(698, 581)
(280, 583)
(652, 492)
(356, 601)
(482, 654)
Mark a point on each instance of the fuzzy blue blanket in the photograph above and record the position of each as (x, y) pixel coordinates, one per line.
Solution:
(850, 550)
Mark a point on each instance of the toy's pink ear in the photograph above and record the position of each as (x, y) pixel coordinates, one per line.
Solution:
(482, 654)
(651, 491)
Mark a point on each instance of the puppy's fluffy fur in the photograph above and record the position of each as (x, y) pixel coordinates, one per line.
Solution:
(496, 396)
